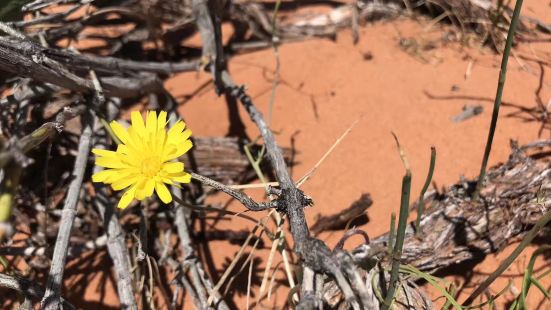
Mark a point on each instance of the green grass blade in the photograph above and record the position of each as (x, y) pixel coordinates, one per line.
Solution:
(499, 94)
(391, 232)
(491, 300)
(421, 204)
(400, 231)
(432, 281)
(528, 274)
(540, 287)
(452, 293)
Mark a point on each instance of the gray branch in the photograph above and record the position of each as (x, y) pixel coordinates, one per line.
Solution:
(116, 247)
(116, 244)
(202, 285)
(27, 59)
(244, 199)
(51, 299)
(26, 288)
(314, 252)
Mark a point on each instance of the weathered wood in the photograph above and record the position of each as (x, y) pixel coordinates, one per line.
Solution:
(343, 217)
(222, 159)
(27, 59)
(455, 229)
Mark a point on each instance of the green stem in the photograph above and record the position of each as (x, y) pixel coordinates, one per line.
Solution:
(421, 204)
(7, 191)
(391, 233)
(499, 93)
(400, 236)
(520, 302)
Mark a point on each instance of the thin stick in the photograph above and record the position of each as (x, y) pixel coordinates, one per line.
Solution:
(255, 163)
(232, 265)
(313, 251)
(201, 282)
(181, 202)
(275, 42)
(499, 93)
(244, 199)
(12, 32)
(51, 299)
(322, 159)
(400, 231)
(26, 288)
(117, 250)
(253, 185)
(116, 245)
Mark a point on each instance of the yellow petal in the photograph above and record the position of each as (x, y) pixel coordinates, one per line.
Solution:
(132, 159)
(151, 122)
(174, 132)
(122, 149)
(124, 183)
(184, 177)
(120, 131)
(163, 192)
(127, 198)
(120, 174)
(173, 167)
(110, 162)
(135, 140)
(186, 134)
(183, 148)
(167, 180)
(103, 176)
(180, 138)
(137, 122)
(168, 152)
(149, 187)
(161, 121)
(140, 189)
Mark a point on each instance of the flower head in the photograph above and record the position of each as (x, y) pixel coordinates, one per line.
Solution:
(144, 161)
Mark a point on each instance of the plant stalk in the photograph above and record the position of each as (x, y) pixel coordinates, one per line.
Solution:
(499, 94)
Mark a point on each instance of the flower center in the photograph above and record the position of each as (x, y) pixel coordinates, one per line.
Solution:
(151, 166)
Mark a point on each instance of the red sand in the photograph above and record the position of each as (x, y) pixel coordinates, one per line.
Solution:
(327, 86)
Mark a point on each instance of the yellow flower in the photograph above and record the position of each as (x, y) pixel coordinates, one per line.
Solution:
(144, 159)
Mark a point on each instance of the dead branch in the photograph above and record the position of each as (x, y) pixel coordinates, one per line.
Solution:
(453, 230)
(314, 253)
(26, 288)
(239, 196)
(201, 285)
(51, 299)
(25, 58)
(222, 159)
(339, 220)
(17, 149)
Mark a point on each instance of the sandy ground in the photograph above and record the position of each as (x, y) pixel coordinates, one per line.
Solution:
(325, 87)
